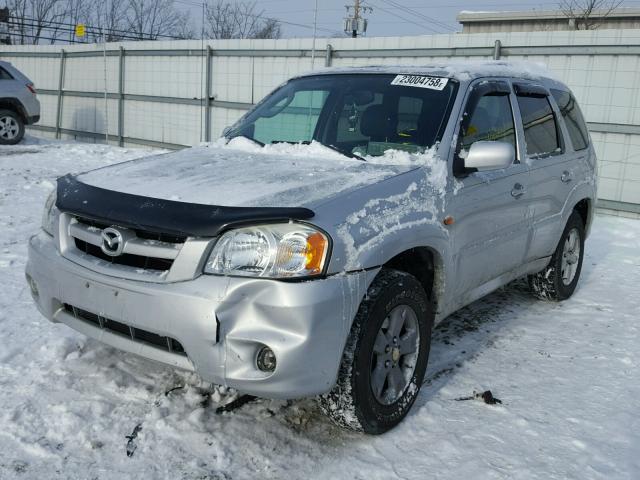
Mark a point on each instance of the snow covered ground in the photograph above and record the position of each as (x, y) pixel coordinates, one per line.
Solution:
(568, 375)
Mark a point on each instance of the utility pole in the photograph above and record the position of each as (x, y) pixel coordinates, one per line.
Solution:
(355, 23)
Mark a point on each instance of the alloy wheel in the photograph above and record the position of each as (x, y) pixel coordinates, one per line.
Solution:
(570, 256)
(9, 128)
(395, 354)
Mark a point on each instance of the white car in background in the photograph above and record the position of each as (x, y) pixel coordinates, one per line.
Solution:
(19, 105)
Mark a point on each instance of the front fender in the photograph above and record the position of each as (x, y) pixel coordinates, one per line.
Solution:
(359, 252)
(374, 224)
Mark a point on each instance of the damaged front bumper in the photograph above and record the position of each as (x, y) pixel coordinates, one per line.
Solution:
(212, 325)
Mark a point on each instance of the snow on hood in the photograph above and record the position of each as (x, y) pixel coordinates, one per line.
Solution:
(241, 173)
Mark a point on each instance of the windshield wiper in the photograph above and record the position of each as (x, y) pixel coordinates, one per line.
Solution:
(257, 142)
(336, 149)
(330, 147)
(343, 152)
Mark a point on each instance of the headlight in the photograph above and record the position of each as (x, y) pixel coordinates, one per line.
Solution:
(283, 250)
(50, 214)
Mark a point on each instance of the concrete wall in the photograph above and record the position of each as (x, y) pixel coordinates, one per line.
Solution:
(157, 90)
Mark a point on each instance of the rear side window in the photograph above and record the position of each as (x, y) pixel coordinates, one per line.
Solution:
(541, 132)
(4, 75)
(573, 119)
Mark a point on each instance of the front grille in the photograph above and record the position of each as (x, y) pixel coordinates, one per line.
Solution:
(143, 250)
(136, 334)
(135, 261)
(147, 235)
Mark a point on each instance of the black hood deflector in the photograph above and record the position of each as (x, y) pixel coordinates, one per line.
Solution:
(162, 216)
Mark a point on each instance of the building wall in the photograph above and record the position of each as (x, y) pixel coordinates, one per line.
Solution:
(159, 97)
(543, 25)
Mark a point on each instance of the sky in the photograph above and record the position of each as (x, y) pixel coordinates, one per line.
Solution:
(387, 19)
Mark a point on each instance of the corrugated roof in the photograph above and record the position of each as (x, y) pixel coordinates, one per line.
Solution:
(516, 16)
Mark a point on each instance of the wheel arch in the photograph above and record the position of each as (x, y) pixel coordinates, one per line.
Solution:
(585, 208)
(427, 265)
(14, 105)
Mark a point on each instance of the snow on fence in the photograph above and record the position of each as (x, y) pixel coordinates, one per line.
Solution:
(178, 93)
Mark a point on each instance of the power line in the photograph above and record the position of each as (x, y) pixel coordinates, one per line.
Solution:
(284, 22)
(34, 25)
(418, 14)
(129, 34)
(391, 12)
(132, 34)
(40, 37)
(58, 27)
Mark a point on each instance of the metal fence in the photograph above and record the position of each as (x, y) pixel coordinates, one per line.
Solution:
(179, 93)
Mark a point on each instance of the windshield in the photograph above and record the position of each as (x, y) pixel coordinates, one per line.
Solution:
(358, 115)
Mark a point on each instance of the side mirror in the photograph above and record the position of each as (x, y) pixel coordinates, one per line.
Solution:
(490, 156)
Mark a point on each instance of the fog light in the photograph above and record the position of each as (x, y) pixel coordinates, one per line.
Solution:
(266, 360)
(33, 286)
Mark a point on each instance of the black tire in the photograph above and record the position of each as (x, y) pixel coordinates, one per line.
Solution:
(352, 403)
(11, 137)
(549, 284)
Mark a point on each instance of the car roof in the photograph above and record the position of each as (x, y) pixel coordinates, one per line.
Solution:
(458, 70)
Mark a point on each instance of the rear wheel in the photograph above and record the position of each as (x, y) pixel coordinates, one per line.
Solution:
(11, 127)
(385, 358)
(559, 280)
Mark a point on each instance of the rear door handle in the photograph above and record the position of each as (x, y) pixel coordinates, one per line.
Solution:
(566, 177)
(518, 190)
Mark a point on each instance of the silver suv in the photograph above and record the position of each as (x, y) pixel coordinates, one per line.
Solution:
(19, 105)
(311, 250)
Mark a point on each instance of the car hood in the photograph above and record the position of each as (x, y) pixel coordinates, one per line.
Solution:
(244, 175)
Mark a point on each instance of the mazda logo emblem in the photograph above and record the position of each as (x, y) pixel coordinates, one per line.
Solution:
(112, 242)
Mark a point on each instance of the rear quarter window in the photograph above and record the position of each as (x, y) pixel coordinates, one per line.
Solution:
(541, 132)
(4, 75)
(573, 119)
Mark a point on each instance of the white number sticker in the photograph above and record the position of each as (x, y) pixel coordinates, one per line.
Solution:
(421, 81)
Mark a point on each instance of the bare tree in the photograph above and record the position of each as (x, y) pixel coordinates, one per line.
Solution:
(46, 14)
(17, 24)
(184, 30)
(271, 28)
(37, 21)
(224, 19)
(588, 14)
(107, 20)
(76, 12)
(34, 21)
(148, 19)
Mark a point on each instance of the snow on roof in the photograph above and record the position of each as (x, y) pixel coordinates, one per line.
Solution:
(470, 16)
(463, 71)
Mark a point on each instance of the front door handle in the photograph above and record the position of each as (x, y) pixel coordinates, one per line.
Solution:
(518, 190)
(566, 177)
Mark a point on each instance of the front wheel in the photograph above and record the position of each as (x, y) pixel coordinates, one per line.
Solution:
(11, 127)
(559, 280)
(385, 358)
